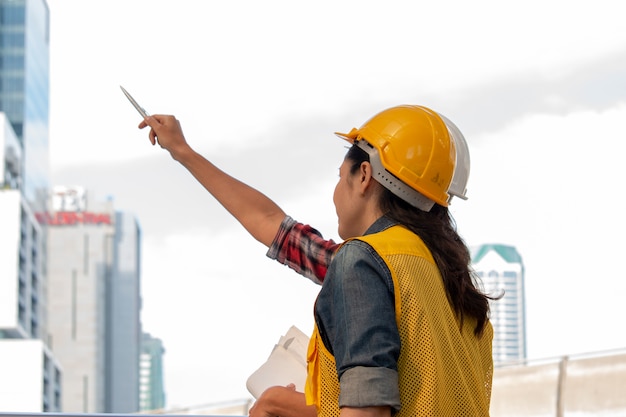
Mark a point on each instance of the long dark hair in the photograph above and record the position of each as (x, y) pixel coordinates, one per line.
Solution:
(438, 231)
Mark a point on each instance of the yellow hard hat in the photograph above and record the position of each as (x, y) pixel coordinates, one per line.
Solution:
(414, 145)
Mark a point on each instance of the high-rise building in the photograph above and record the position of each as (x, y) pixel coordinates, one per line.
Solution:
(30, 376)
(94, 310)
(123, 317)
(151, 387)
(24, 179)
(24, 88)
(501, 272)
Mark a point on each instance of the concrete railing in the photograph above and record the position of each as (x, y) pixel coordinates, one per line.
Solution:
(577, 385)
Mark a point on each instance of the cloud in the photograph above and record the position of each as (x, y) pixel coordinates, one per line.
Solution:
(292, 155)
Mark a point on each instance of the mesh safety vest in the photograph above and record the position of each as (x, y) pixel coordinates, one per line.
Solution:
(443, 369)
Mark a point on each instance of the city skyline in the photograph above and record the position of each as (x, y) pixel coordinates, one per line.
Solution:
(261, 87)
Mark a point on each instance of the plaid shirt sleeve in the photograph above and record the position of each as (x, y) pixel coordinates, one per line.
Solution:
(303, 249)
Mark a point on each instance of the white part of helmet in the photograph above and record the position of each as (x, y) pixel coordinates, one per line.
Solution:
(458, 185)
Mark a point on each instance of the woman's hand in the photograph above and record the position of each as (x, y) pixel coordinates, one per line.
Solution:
(282, 402)
(167, 132)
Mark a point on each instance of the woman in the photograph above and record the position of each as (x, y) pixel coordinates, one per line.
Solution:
(400, 326)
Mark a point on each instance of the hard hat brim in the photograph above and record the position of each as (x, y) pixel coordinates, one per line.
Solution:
(349, 137)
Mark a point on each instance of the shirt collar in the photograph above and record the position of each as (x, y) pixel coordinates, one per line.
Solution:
(381, 224)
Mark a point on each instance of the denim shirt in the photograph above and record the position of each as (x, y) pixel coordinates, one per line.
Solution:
(355, 315)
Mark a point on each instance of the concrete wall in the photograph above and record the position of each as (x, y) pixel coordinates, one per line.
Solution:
(585, 385)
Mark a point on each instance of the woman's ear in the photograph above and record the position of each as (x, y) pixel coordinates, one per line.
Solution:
(365, 178)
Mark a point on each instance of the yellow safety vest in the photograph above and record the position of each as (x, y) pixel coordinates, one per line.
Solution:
(443, 369)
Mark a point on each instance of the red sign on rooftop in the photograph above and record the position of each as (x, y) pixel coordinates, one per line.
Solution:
(72, 218)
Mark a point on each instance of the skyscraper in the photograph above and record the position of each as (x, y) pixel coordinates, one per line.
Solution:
(123, 317)
(30, 376)
(94, 312)
(24, 88)
(24, 75)
(501, 271)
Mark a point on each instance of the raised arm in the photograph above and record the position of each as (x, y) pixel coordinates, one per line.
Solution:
(259, 215)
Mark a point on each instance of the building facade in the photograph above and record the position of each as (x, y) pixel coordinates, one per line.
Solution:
(123, 318)
(24, 88)
(30, 376)
(501, 272)
(151, 387)
(94, 312)
(24, 179)
(21, 281)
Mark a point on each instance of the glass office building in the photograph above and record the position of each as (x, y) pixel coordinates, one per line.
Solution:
(500, 271)
(30, 376)
(24, 92)
(24, 88)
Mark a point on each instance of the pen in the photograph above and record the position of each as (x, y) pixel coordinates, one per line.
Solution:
(140, 109)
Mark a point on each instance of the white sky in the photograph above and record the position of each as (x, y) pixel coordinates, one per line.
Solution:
(537, 87)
